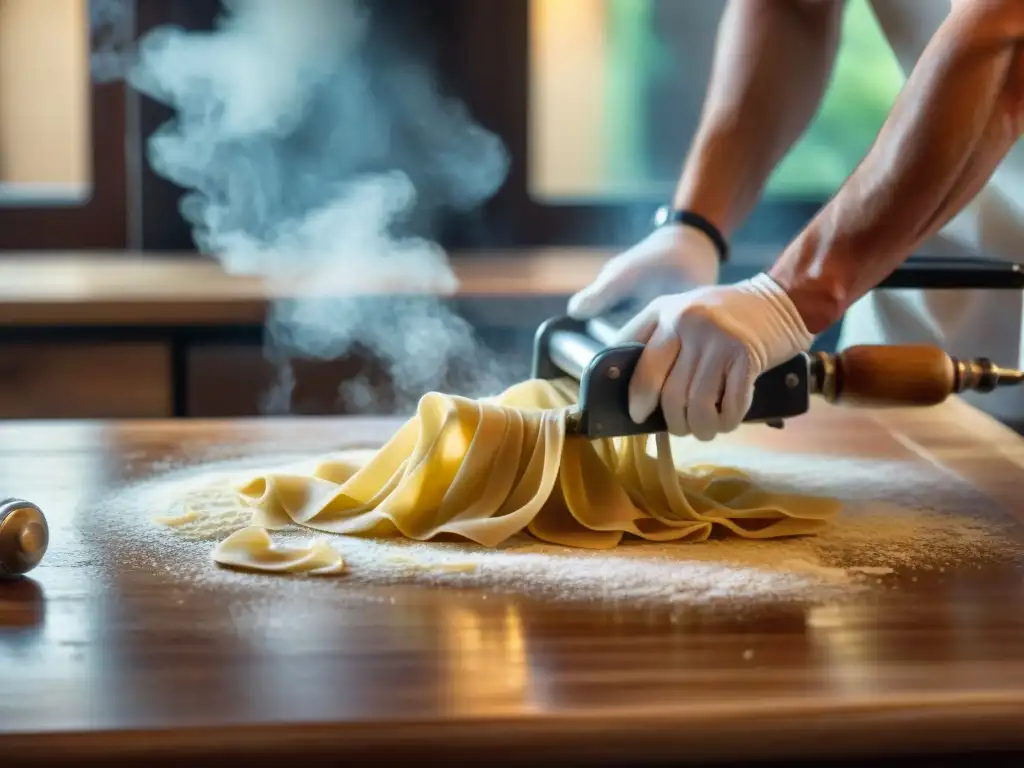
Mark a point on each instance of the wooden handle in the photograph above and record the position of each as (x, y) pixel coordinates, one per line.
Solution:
(878, 376)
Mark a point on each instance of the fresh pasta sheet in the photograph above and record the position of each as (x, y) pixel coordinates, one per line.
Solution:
(486, 470)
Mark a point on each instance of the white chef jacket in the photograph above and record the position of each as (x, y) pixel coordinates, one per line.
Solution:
(966, 323)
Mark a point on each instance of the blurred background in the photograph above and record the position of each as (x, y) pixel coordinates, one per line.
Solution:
(248, 208)
(616, 88)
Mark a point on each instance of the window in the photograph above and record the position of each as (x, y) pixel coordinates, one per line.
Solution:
(62, 137)
(44, 109)
(616, 88)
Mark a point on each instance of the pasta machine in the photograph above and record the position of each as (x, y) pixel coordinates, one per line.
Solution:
(866, 376)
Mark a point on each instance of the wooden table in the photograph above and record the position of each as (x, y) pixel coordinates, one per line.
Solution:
(107, 659)
(133, 289)
(186, 338)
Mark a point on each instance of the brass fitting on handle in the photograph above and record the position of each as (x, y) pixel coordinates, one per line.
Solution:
(982, 375)
(824, 378)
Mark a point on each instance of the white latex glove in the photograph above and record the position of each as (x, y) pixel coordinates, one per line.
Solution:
(706, 348)
(672, 259)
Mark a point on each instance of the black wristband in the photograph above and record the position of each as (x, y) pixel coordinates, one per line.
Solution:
(667, 215)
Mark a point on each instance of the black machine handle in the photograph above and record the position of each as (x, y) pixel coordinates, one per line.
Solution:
(937, 272)
(564, 346)
(779, 394)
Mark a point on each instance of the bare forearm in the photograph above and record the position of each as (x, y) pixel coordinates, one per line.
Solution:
(950, 128)
(772, 65)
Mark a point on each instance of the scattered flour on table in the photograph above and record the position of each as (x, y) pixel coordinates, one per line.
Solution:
(898, 517)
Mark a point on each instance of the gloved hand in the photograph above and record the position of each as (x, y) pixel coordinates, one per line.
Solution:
(706, 348)
(672, 259)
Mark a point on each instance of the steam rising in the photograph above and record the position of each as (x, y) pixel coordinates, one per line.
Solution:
(313, 153)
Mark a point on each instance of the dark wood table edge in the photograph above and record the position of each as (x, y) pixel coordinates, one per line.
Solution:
(766, 732)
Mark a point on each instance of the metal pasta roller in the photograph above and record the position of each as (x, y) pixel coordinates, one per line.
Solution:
(864, 376)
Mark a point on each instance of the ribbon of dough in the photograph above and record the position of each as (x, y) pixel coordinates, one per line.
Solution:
(251, 549)
(486, 470)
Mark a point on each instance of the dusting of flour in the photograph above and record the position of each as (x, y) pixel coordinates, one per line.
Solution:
(898, 518)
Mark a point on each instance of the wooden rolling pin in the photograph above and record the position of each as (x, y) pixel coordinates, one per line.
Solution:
(906, 375)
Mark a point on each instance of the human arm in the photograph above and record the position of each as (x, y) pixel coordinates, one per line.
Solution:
(957, 117)
(960, 112)
(773, 61)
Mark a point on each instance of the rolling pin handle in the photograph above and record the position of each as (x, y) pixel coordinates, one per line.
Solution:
(877, 376)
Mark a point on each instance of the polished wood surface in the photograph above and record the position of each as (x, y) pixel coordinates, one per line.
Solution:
(105, 655)
(129, 289)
